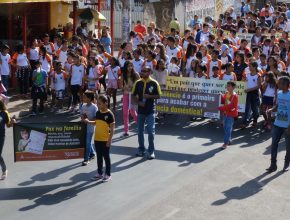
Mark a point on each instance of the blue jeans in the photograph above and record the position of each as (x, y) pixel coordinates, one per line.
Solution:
(5, 82)
(228, 128)
(89, 146)
(277, 133)
(150, 127)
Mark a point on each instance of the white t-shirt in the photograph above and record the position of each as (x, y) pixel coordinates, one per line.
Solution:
(138, 65)
(59, 82)
(173, 52)
(77, 74)
(113, 73)
(34, 54)
(4, 67)
(62, 57)
(22, 60)
(252, 80)
(45, 64)
(270, 92)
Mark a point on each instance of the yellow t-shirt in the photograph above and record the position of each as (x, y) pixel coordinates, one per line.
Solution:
(103, 121)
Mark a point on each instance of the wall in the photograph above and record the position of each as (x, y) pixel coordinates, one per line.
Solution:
(59, 14)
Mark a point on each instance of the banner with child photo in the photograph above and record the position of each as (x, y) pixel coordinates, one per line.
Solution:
(49, 141)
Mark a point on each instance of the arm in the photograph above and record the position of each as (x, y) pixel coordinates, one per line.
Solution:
(231, 106)
(112, 130)
(256, 87)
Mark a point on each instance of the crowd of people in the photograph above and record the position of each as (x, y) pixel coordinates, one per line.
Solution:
(69, 74)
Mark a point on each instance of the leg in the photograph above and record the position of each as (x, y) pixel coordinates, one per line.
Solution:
(88, 146)
(276, 136)
(126, 112)
(107, 159)
(141, 124)
(226, 130)
(255, 105)
(5, 81)
(41, 101)
(99, 150)
(150, 127)
(114, 99)
(2, 163)
(247, 109)
(287, 142)
(25, 80)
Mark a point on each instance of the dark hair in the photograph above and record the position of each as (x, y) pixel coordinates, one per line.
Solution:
(162, 54)
(216, 52)
(232, 83)
(158, 63)
(198, 55)
(20, 48)
(214, 68)
(104, 99)
(44, 51)
(90, 95)
(2, 106)
(226, 66)
(171, 39)
(285, 81)
(133, 75)
(272, 79)
(137, 51)
(101, 47)
(115, 60)
(151, 54)
(191, 50)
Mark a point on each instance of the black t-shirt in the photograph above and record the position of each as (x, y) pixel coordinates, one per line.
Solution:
(4, 119)
(103, 122)
(149, 87)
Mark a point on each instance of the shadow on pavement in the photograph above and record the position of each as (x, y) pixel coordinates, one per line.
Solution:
(247, 190)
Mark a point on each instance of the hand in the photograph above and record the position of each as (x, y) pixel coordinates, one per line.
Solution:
(108, 144)
(146, 96)
(85, 120)
(269, 111)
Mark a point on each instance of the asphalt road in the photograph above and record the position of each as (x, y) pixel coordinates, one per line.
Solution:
(191, 178)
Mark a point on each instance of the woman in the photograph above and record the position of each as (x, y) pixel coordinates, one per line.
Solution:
(4, 120)
(239, 65)
(129, 78)
(106, 40)
(22, 70)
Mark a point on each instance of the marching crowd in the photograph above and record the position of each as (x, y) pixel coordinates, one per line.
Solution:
(71, 73)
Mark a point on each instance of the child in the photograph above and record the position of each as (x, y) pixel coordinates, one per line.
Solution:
(269, 92)
(4, 120)
(228, 75)
(215, 71)
(93, 75)
(59, 79)
(263, 63)
(192, 71)
(230, 112)
(173, 67)
(252, 101)
(105, 122)
(160, 73)
(5, 67)
(150, 60)
(114, 71)
(201, 72)
(24, 141)
(88, 111)
(137, 62)
(281, 124)
(38, 91)
(77, 73)
(214, 62)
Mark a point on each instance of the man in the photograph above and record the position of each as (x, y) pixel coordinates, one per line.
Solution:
(174, 24)
(144, 93)
(140, 28)
(229, 25)
(202, 36)
(194, 21)
(150, 35)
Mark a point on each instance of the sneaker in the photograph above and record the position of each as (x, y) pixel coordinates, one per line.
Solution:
(4, 175)
(286, 166)
(97, 177)
(107, 178)
(125, 135)
(225, 146)
(254, 125)
(140, 153)
(151, 156)
(92, 157)
(85, 163)
(33, 114)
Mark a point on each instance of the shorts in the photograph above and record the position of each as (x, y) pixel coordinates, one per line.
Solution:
(267, 100)
(112, 84)
(59, 94)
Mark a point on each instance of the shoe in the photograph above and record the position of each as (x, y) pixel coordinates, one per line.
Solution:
(230, 143)
(286, 166)
(85, 163)
(151, 156)
(107, 178)
(92, 157)
(125, 135)
(4, 175)
(33, 114)
(272, 168)
(254, 125)
(225, 146)
(97, 177)
(140, 154)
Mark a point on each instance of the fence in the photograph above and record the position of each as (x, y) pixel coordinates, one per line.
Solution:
(137, 14)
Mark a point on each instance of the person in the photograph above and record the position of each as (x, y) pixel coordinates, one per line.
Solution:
(24, 141)
(160, 73)
(60, 80)
(38, 91)
(22, 70)
(145, 91)
(203, 35)
(281, 124)
(5, 68)
(105, 122)
(140, 28)
(229, 111)
(106, 40)
(174, 24)
(4, 120)
(77, 73)
(33, 56)
(88, 111)
(129, 77)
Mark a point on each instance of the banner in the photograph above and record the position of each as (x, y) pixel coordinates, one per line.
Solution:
(189, 103)
(49, 141)
(208, 86)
